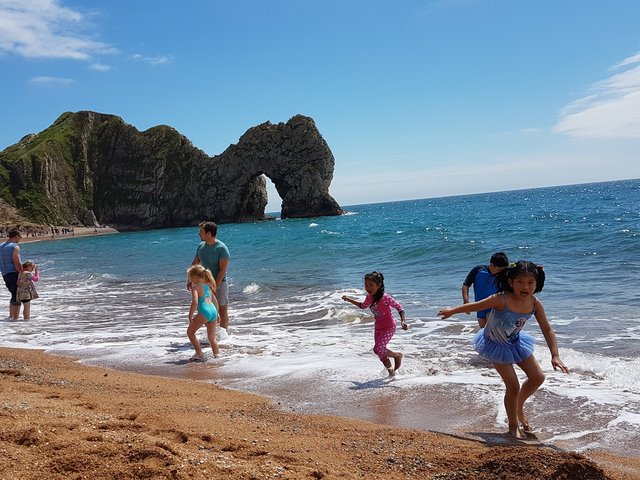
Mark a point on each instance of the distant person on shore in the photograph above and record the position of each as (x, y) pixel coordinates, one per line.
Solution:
(502, 342)
(483, 279)
(10, 266)
(380, 304)
(26, 289)
(214, 255)
(203, 310)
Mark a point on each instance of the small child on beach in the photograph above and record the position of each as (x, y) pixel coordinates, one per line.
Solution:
(380, 304)
(502, 342)
(203, 311)
(26, 289)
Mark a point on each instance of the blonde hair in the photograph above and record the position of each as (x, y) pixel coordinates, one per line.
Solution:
(198, 272)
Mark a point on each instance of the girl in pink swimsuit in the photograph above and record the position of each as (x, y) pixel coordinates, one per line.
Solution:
(380, 304)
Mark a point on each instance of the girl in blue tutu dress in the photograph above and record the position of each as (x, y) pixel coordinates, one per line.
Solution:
(503, 342)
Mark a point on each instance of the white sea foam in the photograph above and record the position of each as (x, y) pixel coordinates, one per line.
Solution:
(626, 417)
(292, 327)
(252, 288)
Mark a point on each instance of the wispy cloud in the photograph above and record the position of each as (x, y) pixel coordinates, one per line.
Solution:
(611, 109)
(155, 60)
(46, 29)
(52, 81)
(522, 131)
(99, 67)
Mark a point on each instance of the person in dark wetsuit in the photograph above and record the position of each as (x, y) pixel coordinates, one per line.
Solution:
(483, 279)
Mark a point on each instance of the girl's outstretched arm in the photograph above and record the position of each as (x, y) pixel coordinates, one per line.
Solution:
(351, 300)
(549, 336)
(494, 301)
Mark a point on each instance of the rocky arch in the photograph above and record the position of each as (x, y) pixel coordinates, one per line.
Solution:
(91, 163)
(296, 159)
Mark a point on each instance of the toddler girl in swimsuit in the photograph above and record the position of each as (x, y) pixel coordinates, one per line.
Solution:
(380, 304)
(26, 289)
(203, 311)
(502, 342)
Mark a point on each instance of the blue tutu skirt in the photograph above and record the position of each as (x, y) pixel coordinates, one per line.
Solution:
(504, 353)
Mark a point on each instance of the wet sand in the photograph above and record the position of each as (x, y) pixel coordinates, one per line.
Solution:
(61, 419)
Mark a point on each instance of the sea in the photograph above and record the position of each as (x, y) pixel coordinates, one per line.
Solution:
(120, 301)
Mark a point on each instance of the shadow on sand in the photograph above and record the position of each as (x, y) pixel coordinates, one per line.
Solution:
(506, 440)
(375, 383)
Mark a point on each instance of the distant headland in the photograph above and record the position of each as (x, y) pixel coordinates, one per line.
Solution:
(94, 169)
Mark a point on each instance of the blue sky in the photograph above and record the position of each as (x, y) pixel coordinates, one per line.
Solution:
(415, 98)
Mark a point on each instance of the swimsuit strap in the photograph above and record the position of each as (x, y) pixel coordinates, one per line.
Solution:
(506, 306)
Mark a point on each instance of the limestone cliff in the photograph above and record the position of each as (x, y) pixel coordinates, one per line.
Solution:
(91, 167)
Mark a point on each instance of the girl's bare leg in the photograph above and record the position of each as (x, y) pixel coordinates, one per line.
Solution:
(194, 325)
(211, 335)
(381, 350)
(26, 310)
(397, 359)
(387, 364)
(510, 379)
(535, 378)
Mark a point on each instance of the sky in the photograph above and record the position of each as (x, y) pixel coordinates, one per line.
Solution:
(415, 98)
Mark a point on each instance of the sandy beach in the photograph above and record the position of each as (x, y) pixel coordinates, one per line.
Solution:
(77, 232)
(60, 419)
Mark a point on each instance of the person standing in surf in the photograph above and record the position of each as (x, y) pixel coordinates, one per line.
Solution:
(483, 280)
(10, 267)
(502, 342)
(203, 311)
(26, 290)
(212, 254)
(380, 304)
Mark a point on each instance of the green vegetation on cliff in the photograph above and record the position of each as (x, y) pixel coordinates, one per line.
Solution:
(31, 169)
(90, 167)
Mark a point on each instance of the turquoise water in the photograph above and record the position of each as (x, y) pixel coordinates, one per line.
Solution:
(119, 300)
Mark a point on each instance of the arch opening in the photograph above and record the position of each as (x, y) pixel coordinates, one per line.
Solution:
(274, 201)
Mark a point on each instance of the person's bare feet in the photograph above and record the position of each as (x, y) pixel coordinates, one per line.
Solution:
(197, 357)
(517, 433)
(392, 372)
(398, 361)
(528, 430)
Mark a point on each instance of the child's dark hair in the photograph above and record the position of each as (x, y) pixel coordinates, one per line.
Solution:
(499, 260)
(519, 268)
(378, 279)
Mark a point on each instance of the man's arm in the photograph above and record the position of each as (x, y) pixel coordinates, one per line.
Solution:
(223, 263)
(17, 262)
